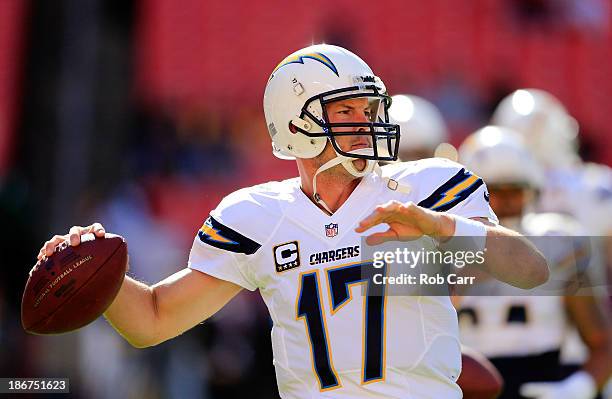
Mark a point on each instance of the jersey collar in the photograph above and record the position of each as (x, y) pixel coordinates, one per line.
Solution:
(358, 205)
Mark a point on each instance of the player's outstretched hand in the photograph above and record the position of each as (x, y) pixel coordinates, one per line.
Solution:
(73, 238)
(406, 222)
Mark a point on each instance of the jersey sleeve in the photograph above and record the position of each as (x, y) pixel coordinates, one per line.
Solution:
(460, 192)
(223, 252)
(476, 205)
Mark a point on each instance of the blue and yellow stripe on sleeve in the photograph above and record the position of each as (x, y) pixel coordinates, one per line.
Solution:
(220, 236)
(454, 191)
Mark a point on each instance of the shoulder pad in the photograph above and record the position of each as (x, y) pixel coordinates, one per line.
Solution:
(439, 183)
(243, 212)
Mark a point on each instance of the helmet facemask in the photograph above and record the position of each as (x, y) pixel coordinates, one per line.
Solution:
(382, 136)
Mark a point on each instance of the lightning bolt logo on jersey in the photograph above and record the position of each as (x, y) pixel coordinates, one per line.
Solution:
(329, 339)
(217, 235)
(455, 190)
(207, 232)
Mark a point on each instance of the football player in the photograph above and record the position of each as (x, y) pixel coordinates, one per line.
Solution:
(583, 190)
(571, 186)
(522, 334)
(299, 243)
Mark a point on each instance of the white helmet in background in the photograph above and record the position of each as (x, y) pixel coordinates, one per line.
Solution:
(548, 129)
(499, 156)
(421, 124)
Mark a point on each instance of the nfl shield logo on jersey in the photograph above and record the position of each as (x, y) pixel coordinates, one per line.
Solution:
(331, 230)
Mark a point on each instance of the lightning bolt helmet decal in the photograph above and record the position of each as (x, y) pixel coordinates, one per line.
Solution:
(299, 59)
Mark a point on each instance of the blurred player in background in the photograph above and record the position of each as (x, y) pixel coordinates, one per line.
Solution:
(421, 124)
(521, 333)
(298, 242)
(571, 186)
(424, 133)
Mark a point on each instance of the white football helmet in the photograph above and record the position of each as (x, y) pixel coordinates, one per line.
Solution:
(548, 129)
(499, 156)
(421, 124)
(295, 98)
(294, 105)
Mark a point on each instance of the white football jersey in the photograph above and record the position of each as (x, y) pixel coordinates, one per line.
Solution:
(329, 340)
(585, 192)
(508, 322)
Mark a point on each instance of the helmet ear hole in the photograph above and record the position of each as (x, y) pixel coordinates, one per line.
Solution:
(292, 128)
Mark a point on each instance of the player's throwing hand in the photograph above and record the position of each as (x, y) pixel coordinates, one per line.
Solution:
(406, 222)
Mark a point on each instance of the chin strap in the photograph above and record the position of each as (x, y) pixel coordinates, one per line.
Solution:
(340, 159)
(347, 162)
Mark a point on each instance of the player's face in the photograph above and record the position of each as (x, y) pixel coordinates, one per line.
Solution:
(350, 110)
(509, 200)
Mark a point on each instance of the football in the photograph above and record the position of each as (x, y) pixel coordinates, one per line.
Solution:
(74, 286)
(479, 379)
